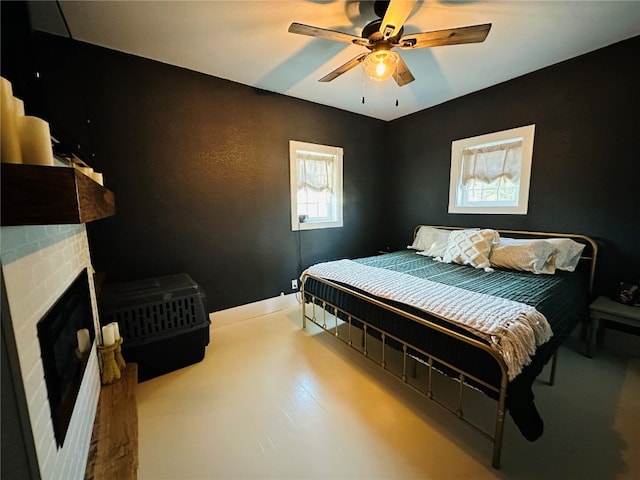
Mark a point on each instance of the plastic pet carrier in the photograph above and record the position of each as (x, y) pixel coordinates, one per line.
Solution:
(163, 322)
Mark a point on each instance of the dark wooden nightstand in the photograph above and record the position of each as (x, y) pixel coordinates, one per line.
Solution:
(603, 308)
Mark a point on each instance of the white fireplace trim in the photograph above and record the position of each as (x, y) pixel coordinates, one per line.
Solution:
(33, 283)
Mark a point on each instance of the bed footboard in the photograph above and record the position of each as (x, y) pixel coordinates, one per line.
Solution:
(347, 328)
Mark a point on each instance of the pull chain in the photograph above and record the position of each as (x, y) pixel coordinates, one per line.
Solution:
(397, 85)
(362, 71)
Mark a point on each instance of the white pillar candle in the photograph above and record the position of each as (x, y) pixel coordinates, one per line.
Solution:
(83, 340)
(85, 170)
(97, 177)
(116, 330)
(35, 141)
(10, 140)
(19, 107)
(108, 337)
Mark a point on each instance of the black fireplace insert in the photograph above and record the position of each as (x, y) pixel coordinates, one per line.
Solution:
(63, 364)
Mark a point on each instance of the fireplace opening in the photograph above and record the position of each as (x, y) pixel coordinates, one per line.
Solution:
(63, 363)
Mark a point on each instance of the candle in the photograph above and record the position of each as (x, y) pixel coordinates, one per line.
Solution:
(84, 341)
(97, 177)
(116, 330)
(10, 142)
(18, 107)
(35, 141)
(108, 337)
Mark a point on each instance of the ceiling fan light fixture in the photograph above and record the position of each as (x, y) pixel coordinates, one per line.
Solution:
(380, 65)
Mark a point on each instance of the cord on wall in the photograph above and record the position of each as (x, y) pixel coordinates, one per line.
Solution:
(301, 219)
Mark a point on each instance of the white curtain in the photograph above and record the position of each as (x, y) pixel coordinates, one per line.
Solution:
(487, 164)
(315, 172)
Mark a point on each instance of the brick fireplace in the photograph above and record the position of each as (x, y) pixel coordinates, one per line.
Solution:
(38, 264)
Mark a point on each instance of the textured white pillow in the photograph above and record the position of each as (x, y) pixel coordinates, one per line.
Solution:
(567, 253)
(535, 256)
(430, 241)
(471, 247)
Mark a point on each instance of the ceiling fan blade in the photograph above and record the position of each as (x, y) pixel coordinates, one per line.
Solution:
(403, 74)
(344, 68)
(397, 13)
(302, 29)
(450, 36)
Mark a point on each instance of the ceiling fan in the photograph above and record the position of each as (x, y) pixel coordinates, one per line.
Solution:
(382, 35)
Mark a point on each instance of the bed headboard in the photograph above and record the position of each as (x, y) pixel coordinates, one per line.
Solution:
(587, 259)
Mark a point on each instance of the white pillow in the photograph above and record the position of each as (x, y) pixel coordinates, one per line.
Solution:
(421, 239)
(430, 241)
(567, 253)
(471, 247)
(529, 255)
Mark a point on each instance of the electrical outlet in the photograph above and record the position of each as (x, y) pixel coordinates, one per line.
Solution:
(294, 284)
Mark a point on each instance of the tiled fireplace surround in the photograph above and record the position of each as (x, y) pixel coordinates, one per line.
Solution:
(39, 263)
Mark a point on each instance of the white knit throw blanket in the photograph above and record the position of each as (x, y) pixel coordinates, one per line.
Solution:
(513, 329)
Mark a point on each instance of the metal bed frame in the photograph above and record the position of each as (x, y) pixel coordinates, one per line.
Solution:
(432, 362)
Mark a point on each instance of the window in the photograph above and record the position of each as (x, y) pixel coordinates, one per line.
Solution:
(316, 186)
(490, 173)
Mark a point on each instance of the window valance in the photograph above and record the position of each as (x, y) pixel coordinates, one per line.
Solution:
(315, 171)
(489, 163)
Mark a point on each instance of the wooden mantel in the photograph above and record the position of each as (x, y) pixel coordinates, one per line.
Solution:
(113, 453)
(43, 195)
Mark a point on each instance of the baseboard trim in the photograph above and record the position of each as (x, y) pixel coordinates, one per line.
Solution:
(241, 313)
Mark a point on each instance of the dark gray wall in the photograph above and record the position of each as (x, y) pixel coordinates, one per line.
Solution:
(199, 165)
(585, 174)
(200, 171)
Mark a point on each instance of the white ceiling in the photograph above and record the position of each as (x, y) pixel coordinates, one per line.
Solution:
(247, 42)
